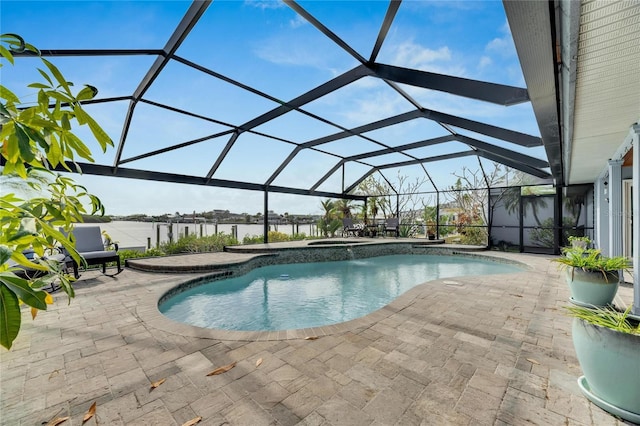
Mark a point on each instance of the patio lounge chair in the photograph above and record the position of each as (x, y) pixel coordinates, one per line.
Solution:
(32, 273)
(348, 228)
(391, 225)
(90, 246)
(28, 273)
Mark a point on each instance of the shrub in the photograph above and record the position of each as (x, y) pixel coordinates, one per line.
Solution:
(474, 235)
(193, 244)
(253, 239)
(274, 237)
(407, 231)
(135, 254)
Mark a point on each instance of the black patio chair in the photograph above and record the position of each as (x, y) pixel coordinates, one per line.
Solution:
(348, 228)
(89, 244)
(392, 226)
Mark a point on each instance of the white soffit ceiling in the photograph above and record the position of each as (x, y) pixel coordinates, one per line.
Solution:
(607, 98)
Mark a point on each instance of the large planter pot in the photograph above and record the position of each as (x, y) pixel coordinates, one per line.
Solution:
(610, 361)
(591, 288)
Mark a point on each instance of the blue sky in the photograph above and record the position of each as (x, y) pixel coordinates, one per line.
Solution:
(265, 44)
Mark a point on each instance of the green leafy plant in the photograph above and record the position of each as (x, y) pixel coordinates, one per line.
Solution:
(35, 139)
(275, 237)
(585, 239)
(474, 235)
(405, 231)
(330, 222)
(431, 228)
(579, 241)
(193, 244)
(607, 317)
(135, 254)
(591, 260)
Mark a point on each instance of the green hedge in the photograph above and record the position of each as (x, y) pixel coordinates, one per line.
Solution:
(274, 237)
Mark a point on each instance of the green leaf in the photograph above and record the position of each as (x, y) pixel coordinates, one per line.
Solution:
(10, 317)
(38, 86)
(15, 42)
(36, 136)
(46, 77)
(24, 144)
(54, 211)
(101, 136)
(21, 288)
(5, 113)
(6, 54)
(54, 155)
(59, 96)
(64, 240)
(8, 95)
(88, 92)
(23, 261)
(64, 122)
(5, 254)
(58, 76)
(32, 48)
(78, 146)
(11, 149)
(16, 236)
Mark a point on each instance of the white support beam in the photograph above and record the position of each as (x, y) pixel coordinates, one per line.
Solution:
(601, 199)
(615, 207)
(635, 136)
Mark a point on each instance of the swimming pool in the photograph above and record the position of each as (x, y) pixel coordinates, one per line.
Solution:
(305, 295)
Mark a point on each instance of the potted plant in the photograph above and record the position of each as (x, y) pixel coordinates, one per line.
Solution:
(431, 230)
(593, 278)
(607, 345)
(579, 242)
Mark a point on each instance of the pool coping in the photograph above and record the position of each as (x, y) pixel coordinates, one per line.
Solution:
(149, 312)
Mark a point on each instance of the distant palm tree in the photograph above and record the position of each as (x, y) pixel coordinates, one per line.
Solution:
(329, 223)
(374, 207)
(344, 207)
(359, 212)
(328, 207)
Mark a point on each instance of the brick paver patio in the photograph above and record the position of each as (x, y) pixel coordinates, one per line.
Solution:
(486, 350)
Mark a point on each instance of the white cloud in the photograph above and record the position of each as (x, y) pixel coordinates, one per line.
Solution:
(374, 107)
(503, 45)
(409, 54)
(297, 22)
(273, 51)
(484, 62)
(265, 4)
(412, 55)
(498, 44)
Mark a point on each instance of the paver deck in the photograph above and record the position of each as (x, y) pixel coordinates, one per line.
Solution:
(484, 350)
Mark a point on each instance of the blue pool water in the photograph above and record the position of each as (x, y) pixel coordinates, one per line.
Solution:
(302, 295)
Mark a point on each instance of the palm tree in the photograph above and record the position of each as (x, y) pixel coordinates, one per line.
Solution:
(360, 212)
(344, 207)
(374, 206)
(328, 206)
(329, 223)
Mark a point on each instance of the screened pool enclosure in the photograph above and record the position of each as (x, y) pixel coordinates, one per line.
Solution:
(395, 106)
